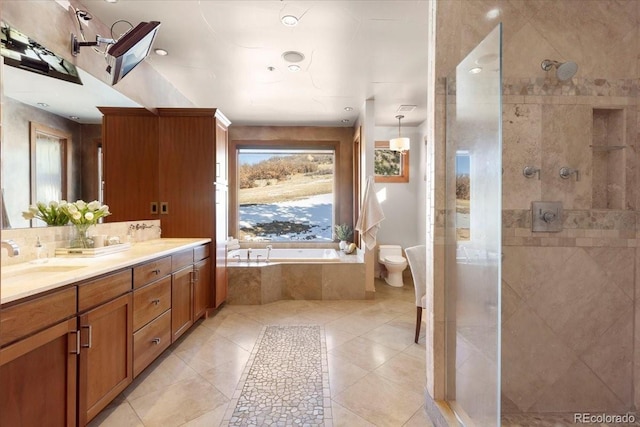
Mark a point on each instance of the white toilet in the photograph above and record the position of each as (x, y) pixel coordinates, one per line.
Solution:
(391, 257)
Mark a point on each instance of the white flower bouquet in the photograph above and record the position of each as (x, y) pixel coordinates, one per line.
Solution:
(51, 214)
(83, 213)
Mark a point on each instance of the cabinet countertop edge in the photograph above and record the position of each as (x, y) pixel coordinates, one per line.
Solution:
(25, 280)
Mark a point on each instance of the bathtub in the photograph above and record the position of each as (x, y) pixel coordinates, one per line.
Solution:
(294, 273)
(293, 255)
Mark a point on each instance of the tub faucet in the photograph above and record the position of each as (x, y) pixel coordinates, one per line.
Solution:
(12, 247)
(258, 258)
(248, 255)
(237, 256)
(269, 247)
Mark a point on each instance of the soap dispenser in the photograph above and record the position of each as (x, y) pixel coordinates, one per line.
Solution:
(41, 252)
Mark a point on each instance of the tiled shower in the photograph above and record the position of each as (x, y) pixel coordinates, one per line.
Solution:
(569, 335)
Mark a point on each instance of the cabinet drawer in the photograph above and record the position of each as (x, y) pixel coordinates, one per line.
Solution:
(23, 319)
(98, 291)
(150, 271)
(201, 252)
(150, 341)
(181, 259)
(151, 301)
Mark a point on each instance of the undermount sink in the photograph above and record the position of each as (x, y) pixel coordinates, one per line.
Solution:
(41, 269)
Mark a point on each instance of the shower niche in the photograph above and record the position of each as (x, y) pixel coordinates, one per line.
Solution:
(608, 161)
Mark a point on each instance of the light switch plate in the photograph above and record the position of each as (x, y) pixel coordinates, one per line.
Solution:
(546, 217)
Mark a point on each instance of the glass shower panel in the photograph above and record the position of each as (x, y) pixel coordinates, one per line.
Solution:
(473, 234)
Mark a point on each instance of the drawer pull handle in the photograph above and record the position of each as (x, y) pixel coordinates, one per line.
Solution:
(90, 330)
(156, 301)
(156, 341)
(157, 271)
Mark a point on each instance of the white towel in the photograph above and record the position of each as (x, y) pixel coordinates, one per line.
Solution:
(371, 216)
(232, 244)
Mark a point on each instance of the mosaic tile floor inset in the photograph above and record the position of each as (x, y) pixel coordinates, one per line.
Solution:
(285, 382)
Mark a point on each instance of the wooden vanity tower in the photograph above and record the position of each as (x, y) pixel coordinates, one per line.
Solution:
(170, 164)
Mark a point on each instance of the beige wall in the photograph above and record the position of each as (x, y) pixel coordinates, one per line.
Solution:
(568, 298)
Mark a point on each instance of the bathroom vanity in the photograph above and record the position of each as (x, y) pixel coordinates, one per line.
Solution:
(77, 331)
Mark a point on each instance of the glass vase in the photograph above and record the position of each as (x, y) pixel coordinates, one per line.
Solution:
(81, 238)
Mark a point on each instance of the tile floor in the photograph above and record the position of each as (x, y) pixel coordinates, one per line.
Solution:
(376, 371)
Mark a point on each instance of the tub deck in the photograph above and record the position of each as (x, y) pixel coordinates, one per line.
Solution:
(339, 278)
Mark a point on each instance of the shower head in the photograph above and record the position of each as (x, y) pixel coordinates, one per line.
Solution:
(564, 70)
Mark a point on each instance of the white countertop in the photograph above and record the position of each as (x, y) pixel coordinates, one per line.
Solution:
(28, 279)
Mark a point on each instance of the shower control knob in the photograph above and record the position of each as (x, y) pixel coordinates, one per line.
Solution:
(548, 216)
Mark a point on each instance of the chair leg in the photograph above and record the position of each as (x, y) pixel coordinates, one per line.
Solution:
(418, 321)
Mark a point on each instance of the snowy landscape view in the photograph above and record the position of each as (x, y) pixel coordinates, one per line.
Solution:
(286, 197)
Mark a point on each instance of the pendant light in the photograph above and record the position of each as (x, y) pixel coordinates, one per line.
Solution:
(399, 144)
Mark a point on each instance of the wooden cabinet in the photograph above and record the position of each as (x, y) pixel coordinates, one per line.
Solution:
(105, 305)
(151, 312)
(201, 287)
(22, 319)
(150, 341)
(65, 355)
(38, 378)
(181, 302)
(188, 154)
(130, 162)
(150, 271)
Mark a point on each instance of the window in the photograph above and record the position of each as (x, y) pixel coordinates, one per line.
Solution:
(48, 163)
(463, 195)
(285, 194)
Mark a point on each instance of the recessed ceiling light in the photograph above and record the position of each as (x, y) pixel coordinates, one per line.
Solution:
(348, 108)
(74, 117)
(475, 70)
(345, 120)
(294, 68)
(293, 56)
(493, 13)
(111, 1)
(289, 21)
(271, 68)
(43, 104)
(161, 52)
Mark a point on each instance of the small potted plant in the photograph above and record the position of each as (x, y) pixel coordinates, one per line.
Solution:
(344, 233)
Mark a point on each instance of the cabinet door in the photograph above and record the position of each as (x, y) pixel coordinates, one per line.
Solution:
(38, 378)
(187, 150)
(220, 271)
(130, 157)
(222, 142)
(181, 302)
(201, 288)
(106, 356)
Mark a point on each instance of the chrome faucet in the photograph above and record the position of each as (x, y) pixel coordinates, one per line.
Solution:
(237, 256)
(258, 258)
(12, 247)
(248, 255)
(269, 247)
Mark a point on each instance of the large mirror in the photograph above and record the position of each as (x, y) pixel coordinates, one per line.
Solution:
(51, 136)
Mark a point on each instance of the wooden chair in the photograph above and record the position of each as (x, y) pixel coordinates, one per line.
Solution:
(417, 258)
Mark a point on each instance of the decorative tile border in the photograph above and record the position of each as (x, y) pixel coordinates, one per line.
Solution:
(285, 381)
(549, 86)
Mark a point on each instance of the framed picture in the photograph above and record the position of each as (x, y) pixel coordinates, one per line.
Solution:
(389, 165)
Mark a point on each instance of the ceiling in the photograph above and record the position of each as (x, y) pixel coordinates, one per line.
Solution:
(220, 53)
(228, 55)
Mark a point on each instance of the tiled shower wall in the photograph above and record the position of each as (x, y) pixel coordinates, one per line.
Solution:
(569, 297)
(568, 340)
